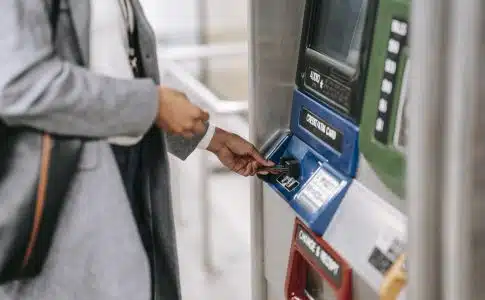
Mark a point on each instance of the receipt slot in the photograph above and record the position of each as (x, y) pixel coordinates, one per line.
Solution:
(315, 270)
(325, 147)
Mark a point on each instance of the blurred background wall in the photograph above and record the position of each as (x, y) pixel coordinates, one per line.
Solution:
(188, 22)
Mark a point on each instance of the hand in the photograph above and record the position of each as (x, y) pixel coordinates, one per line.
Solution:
(236, 153)
(178, 116)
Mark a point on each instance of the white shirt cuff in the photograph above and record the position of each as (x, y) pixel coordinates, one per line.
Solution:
(204, 143)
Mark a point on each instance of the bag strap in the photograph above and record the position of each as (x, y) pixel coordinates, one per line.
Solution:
(58, 166)
(45, 158)
(44, 198)
(54, 16)
(58, 162)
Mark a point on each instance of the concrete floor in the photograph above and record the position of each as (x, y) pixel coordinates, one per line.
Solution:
(229, 196)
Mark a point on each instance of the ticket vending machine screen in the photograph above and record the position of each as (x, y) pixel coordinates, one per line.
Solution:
(339, 31)
(334, 50)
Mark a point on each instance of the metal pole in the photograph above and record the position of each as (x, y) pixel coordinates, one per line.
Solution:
(203, 37)
(206, 227)
(256, 246)
(463, 95)
(425, 160)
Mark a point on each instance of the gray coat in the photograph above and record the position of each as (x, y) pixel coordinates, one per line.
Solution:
(97, 252)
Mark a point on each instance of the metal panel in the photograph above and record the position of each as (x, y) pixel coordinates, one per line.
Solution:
(463, 253)
(425, 159)
(278, 230)
(363, 219)
(275, 27)
(477, 205)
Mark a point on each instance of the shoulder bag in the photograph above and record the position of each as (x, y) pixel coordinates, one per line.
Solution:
(36, 170)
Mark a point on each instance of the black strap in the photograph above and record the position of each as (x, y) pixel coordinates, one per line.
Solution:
(134, 53)
(54, 16)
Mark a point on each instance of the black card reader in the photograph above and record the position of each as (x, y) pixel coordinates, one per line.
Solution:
(287, 165)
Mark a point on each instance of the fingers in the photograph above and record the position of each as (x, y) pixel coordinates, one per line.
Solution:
(240, 146)
(193, 127)
(198, 113)
(273, 172)
(248, 165)
(177, 115)
(246, 171)
(251, 169)
(204, 116)
(244, 167)
(257, 157)
(240, 167)
(254, 168)
(199, 127)
(196, 124)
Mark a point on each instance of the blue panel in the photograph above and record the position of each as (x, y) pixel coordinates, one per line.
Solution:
(346, 160)
(326, 146)
(310, 161)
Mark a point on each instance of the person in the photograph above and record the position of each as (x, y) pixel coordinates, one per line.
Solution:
(97, 78)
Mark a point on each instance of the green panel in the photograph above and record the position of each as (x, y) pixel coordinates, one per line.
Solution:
(387, 162)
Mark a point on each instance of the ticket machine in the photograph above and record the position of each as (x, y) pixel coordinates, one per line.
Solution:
(329, 98)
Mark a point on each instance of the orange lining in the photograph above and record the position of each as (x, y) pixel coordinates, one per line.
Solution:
(41, 193)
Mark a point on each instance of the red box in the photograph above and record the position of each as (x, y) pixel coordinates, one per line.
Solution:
(311, 256)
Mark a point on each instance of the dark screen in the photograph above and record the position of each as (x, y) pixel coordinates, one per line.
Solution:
(337, 29)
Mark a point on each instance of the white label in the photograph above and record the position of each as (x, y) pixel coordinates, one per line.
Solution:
(393, 46)
(390, 66)
(399, 27)
(327, 130)
(289, 183)
(379, 124)
(383, 105)
(390, 243)
(386, 86)
(319, 190)
(315, 76)
(384, 240)
(319, 252)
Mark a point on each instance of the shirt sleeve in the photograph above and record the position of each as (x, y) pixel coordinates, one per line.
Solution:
(205, 141)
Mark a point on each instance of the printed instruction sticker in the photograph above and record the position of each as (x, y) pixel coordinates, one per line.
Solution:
(321, 187)
(388, 247)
